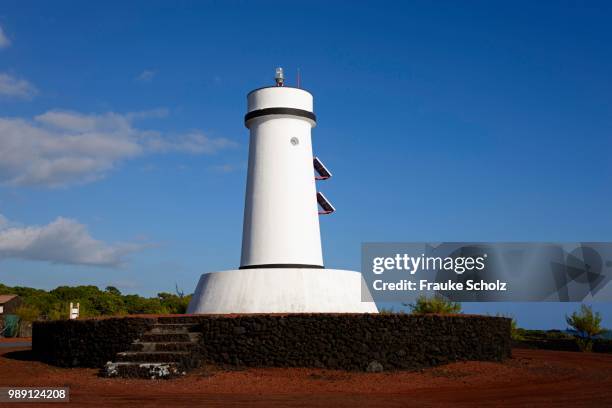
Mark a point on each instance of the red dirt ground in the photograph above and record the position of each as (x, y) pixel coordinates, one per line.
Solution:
(15, 340)
(530, 378)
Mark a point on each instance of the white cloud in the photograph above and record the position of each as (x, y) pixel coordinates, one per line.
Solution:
(60, 148)
(4, 40)
(63, 241)
(3, 222)
(194, 143)
(228, 167)
(11, 86)
(146, 76)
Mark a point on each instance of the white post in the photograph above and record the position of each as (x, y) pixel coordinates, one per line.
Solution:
(74, 311)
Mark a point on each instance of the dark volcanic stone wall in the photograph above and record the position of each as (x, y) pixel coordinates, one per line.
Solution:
(86, 343)
(342, 341)
(354, 341)
(599, 345)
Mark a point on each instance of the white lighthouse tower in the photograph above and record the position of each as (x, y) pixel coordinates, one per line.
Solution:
(281, 268)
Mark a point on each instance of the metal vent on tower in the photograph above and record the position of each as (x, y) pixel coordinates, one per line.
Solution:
(322, 171)
(325, 204)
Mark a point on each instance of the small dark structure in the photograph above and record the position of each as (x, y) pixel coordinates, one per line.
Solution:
(9, 304)
(169, 345)
(8, 321)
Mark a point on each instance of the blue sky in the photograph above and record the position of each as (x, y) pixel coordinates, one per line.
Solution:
(123, 150)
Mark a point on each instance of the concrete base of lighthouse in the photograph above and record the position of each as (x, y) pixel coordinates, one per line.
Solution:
(280, 290)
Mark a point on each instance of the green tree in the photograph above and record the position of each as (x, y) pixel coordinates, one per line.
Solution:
(58, 312)
(435, 304)
(138, 305)
(515, 332)
(95, 302)
(174, 304)
(27, 313)
(113, 290)
(587, 324)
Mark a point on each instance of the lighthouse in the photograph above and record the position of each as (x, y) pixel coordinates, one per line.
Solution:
(281, 221)
(281, 267)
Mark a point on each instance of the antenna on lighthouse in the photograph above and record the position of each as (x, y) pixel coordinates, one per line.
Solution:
(279, 77)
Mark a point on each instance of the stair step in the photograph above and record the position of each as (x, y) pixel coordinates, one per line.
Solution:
(160, 370)
(169, 346)
(167, 350)
(150, 337)
(180, 320)
(153, 356)
(173, 328)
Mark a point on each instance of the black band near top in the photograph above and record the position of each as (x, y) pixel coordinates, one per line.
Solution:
(280, 111)
(265, 266)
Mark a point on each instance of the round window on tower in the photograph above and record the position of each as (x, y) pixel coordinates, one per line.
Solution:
(295, 141)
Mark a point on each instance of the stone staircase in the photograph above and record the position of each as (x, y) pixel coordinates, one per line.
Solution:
(169, 349)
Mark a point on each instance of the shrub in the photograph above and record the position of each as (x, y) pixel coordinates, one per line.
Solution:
(27, 313)
(53, 305)
(435, 304)
(516, 333)
(56, 314)
(588, 325)
(389, 311)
